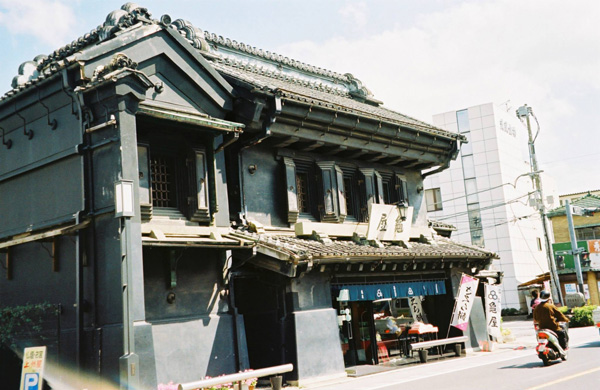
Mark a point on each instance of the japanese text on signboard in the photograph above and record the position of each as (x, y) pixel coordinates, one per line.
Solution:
(464, 302)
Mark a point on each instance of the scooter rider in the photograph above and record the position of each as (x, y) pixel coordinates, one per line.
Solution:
(547, 316)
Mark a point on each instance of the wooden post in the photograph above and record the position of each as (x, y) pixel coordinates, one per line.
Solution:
(592, 282)
(8, 265)
(54, 257)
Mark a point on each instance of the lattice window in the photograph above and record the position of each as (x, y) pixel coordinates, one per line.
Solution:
(302, 192)
(349, 194)
(162, 170)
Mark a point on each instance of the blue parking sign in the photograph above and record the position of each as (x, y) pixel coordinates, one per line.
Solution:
(31, 381)
(32, 373)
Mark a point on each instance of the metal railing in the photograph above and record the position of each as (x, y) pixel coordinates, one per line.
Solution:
(238, 377)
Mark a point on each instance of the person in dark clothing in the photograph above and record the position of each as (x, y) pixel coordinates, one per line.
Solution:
(547, 316)
(535, 299)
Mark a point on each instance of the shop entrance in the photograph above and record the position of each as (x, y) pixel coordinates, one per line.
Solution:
(373, 332)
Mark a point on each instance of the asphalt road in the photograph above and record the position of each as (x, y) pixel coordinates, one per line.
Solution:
(513, 366)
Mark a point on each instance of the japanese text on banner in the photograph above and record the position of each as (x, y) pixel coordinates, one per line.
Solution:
(464, 302)
(416, 309)
(493, 302)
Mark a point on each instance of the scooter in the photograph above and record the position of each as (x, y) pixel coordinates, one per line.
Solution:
(548, 348)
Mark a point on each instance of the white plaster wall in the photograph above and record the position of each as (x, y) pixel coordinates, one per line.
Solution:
(511, 225)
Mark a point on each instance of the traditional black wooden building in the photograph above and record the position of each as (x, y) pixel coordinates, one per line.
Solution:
(245, 183)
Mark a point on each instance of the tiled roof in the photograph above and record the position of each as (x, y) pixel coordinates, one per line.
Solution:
(319, 94)
(441, 225)
(292, 79)
(299, 248)
(581, 193)
(267, 55)
(587, 201)
(42, 66)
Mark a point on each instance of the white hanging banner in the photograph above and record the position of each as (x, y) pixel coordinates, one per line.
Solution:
(464, 302)
(493, 302)
(416, 309)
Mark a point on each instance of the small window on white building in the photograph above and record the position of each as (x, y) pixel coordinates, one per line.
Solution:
(539, 243)
(433, 198)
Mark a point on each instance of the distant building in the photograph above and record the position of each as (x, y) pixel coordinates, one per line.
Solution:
(488, 195)
(587, 232)
(576, 195)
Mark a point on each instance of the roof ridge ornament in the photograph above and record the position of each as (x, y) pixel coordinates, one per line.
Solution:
(193, 34)
(360, 91)
(125, 17)
(118, 61)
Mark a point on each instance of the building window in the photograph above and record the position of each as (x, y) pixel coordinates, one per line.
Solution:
(539, 243)
(328, 191)
(162, 169)
(433, 198)
(588, 233)
(175, 177)
(350, 195)
(462, 120)
(302, 188)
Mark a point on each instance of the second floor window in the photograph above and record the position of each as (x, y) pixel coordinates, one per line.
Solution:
(588, 233)
(177, 178)
(433, 198)
(162, 177)
(302, 192)
(326, 191)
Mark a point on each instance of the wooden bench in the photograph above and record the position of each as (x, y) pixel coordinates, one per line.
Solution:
(423, 346)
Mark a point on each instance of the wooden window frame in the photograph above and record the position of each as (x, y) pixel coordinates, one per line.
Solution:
(437, 203)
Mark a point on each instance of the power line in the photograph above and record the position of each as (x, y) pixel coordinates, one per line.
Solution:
(485, 208)
(515, 219)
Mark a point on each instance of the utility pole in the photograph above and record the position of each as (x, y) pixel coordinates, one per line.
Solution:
(525, 112)
(574, 249)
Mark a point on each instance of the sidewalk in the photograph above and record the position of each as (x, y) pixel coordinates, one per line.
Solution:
(520, 335)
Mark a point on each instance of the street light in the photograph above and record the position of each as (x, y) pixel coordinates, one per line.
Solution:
(530, 174)
(402, 210)
(124, 201)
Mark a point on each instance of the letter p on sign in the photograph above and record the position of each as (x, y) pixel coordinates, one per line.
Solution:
(32, 381)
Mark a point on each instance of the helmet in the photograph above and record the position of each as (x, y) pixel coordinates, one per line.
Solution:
(544, 295)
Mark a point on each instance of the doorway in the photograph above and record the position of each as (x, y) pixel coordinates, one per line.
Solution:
(357, 333)
(371, 331)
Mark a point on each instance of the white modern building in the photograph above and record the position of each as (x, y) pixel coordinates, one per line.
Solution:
(488, 195)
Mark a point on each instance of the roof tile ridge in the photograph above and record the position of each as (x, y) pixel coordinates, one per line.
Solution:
(31, 71)
(253, 68)
(581, 192)
(472, 247)
(248, 49)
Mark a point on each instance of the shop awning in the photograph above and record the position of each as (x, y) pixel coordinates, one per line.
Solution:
(372, 292)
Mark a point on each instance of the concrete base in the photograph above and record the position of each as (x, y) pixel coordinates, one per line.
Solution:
(323, 379)
(318, 351)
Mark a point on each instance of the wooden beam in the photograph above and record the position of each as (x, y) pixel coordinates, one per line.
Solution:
(22, 239)
(309, 146)
(285, 142)
(395, 161)
(333, 150)
(376, 157)
(355, 153)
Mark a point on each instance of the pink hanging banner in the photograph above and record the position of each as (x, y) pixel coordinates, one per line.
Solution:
(464, 302)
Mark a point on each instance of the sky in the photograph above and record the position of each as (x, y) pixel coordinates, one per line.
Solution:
(420, 57)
